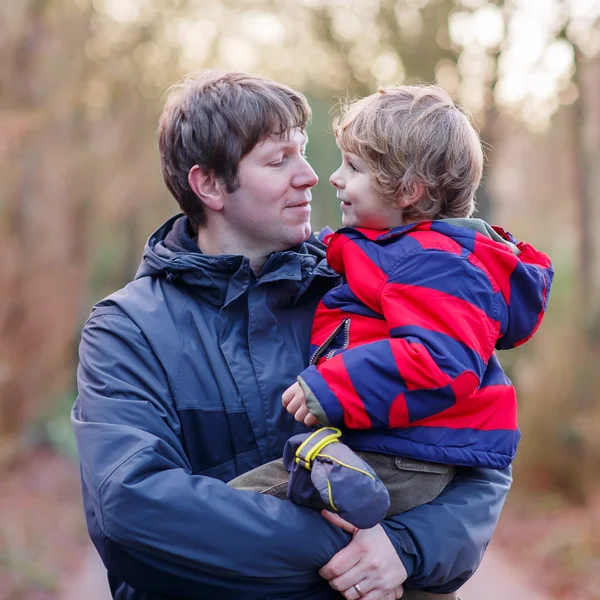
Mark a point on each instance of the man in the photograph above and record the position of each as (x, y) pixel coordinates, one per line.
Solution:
(182, 372)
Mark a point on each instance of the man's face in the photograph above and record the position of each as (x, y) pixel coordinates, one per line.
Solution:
(361, 205)
(270, 211)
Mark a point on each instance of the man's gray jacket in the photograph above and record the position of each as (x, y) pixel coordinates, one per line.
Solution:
(180, 382)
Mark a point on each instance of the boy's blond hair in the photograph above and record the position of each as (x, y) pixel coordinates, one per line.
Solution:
(413, 136)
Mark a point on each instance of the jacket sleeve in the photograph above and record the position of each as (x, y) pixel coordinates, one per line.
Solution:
(442, 543)
(443, 316)
(144, 502)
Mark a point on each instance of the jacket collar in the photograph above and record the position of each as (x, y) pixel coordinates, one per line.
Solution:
(171, 253)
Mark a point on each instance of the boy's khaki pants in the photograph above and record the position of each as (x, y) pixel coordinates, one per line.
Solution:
(420, 595)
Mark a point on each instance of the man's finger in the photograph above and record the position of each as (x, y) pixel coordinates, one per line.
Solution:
(377, 595)
(343, 561)
(350, 578)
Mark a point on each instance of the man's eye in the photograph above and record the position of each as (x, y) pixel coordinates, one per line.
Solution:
(277, 163)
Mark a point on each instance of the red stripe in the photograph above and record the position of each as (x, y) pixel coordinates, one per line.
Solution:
(530, 256)
(365, 278)
(372, 234)
(429, 308)
(399, 412)
(324, 322)
(496, 261)
(417, 367)
(335, 374)
(486, 409)
(435, 240)
(366, 329)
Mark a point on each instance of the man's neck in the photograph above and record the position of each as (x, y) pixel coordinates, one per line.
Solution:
(216, 241)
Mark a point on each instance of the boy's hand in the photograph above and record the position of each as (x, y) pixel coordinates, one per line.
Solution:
(294, 402)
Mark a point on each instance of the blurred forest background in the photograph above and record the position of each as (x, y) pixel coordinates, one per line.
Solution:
(82, 84)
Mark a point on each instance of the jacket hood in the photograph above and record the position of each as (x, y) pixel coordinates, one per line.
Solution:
(522, 274)
(171, 253)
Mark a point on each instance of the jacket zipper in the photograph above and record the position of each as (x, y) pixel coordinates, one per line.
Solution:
(317, 354)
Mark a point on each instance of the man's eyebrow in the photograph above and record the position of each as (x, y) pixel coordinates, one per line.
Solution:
(287, 142)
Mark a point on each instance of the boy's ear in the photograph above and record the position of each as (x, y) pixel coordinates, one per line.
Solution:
(412, 195)
(207, 187)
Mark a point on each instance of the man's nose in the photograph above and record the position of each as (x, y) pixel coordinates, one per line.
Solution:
(305, 177)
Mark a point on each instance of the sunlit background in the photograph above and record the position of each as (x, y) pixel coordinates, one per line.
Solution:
(82, 83)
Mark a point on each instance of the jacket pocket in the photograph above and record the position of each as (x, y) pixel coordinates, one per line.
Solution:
(214, 437)
(421, 466)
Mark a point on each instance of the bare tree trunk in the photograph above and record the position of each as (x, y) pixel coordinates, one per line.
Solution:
(582, 152)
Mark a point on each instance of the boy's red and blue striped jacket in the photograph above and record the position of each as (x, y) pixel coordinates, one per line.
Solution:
(403, 353)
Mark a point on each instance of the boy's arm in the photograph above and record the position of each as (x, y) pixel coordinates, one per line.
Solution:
(444, 317)
(148, 513)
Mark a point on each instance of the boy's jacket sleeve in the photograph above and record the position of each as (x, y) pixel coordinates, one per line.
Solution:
(152, 520)
(443, 318)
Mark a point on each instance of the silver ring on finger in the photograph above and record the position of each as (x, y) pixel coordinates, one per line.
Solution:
(358, 590)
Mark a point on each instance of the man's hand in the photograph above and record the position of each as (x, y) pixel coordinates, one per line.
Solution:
(369, 562)
(294, 401)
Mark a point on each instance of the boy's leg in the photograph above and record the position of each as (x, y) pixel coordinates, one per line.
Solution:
(409, 482)
(271, 478)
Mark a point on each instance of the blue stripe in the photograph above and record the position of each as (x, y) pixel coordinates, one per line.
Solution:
(385, 254)
(493, 449)
(342, 298)
(462, 235)
(494, 374)
(451, 274)
(374, 374)
(327, 399)
(451, 356)
(527, 283)
(425, 403)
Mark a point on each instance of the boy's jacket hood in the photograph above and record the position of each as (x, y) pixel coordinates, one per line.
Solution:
(521, 273)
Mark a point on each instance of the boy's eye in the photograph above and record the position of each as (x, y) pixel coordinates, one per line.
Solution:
(277, 163)
(352, 167)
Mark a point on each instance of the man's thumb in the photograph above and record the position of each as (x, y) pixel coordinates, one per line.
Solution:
(339, 522)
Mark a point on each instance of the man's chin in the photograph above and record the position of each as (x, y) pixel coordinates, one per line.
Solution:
(301, 236)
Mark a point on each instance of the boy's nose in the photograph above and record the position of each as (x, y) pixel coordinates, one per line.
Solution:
(335, 180)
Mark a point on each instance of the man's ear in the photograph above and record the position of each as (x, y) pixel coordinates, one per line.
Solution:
(207, 187)
(412, 195)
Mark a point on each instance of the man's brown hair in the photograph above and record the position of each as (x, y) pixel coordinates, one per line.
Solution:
(213, 119)
(412, 136)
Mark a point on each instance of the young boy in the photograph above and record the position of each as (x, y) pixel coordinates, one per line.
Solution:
(402, 354)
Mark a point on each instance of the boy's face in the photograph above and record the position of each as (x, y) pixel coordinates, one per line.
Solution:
(361, 205)
(270, 211)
